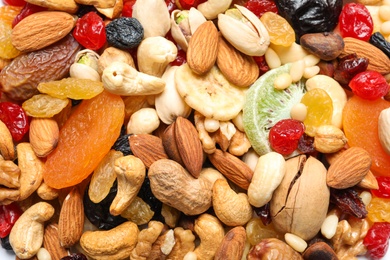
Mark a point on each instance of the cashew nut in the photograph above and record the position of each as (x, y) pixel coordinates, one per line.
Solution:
(211, 8)
(154, 54)
(143, 121)
(7, 149)
(112, 54)
(26, 235)
(130, 173)
(31, 170)
(231, 208)
(211, 233)
(46, 192)
(267, 176)
(112, 12)
(121, 79)
(113, 244)
(146, 238)
(174, 186)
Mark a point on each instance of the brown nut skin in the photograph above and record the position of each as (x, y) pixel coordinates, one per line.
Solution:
(300, 204)
(272, 249)
(319, 250)
(233, 244)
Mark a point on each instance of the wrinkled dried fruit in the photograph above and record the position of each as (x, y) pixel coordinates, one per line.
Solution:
(43, 105)
(349, 201)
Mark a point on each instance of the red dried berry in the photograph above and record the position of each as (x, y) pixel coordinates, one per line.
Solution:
(27, 10)
(355, 21)
(8, 216)
(14, 2)
(369, 85)
(180, 59)
(384, 187)
(261, 63)
(187, 4)
(284, 135)
(171, 4)
(259, 7)
(377, 239)
(127, 10)
(15, 118)
(90, 31)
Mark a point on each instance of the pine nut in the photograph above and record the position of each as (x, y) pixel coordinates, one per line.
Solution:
(311, 60)
(311, 72)
(298, 112)
(283, 81)
(297, 243)
(385, 28)
(297, 69)
(329, 226)
(366, 197)
(384, 12)
(43, 254)
(211, 125)
(272, 58)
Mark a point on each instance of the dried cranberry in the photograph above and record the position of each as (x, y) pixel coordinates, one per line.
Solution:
(90, 31)
(259, 7)
(355, 21)
(384, 187)
(187, 4)
(369, 85)
(180, 59)
(8, 216)
(285, 134)
(348, 67)
(377, 239)
(14, 2)
(27, 10)
(127, 10)
(171, 4)
(262, 64)
(15, 118)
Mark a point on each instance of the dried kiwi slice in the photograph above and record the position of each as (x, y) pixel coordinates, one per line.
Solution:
(264, 106)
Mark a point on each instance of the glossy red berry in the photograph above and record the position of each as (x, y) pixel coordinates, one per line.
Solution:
(14, 2)
(127, 10)
(90, 31)
(377, 239)
(180, 59)
(369, 85)
(261, 63)
(8, 216)
(284, 135)
(187, 4)
(27, 10)
(15, 118)
(355, 21)
(259, 7)
(384, 187)
(171, 4)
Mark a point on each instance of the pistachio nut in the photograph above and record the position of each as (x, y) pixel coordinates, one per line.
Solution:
(300, 203)
(244, 30)
(153, 16)
(85, 65)
(212, 8)
(154, 54)
(184, 23)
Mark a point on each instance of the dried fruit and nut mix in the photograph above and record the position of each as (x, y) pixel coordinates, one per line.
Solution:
(195, 129)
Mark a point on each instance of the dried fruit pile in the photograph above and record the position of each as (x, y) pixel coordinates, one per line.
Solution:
(195, 129)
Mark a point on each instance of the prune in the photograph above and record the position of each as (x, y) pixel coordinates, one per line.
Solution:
(75, 256)
(380, 42)
(99, 213)
(348, 67)
(5, 243)
(122, 144)
(146, 195)
(124, 33)
(349, 201)
(310, 16)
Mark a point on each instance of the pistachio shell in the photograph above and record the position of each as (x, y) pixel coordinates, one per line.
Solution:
(82, 71)
(211, 8)
(92, 56)
(250, 38)
(153, 16)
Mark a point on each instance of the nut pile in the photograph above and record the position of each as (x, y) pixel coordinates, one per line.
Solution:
(130, 153)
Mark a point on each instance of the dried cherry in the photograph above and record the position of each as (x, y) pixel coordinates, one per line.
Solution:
(27, 10)
(377, 239)
(259, 7)
(348, 67)
(355, 21)
(14, 2)
(384, 187)
(262, 64)
(8, 216)
(187, 4)
(369, 85)
(90, 31)
(127, 10)
(285, 134)
(349, 201)
(380, 42)
(15, 118)
(171, 4)
(124, 33)
(180, 59)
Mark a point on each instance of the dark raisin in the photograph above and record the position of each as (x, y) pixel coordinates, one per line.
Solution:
(146, 195)
(348, 67)
(380, 42)
(5, 243)
(75, 256)
(310, 16)
(122, 144)
(306, 144)
(349, 201)
(124, 33)
(264, 213)
(99, 213)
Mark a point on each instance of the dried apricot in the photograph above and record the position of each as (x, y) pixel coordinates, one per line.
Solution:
(360, 123)
(84, 140)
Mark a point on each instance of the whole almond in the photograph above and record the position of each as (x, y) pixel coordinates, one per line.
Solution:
(71, 220)
(148, 148)
(232, 168)
(169, 143)
(51, 242)
(202, 48)
(238, 68)
(189, 145)
(44, 134)
(232, 245)
(378, 61)
(41, 29)
(349, 168)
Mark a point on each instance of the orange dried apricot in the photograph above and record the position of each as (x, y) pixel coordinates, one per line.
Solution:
(84, 140)
(360, 123)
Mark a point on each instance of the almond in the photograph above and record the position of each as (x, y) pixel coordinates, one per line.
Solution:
(378, 61)
(189, 145)
(349, 168)
(169, 143)
(232, 168)
(44, 134)
(202, 48)
(238, 68)
(51, 242)
(369, 182)
(71, 220)
(41, 29)
(232, 245)
(148, 148)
